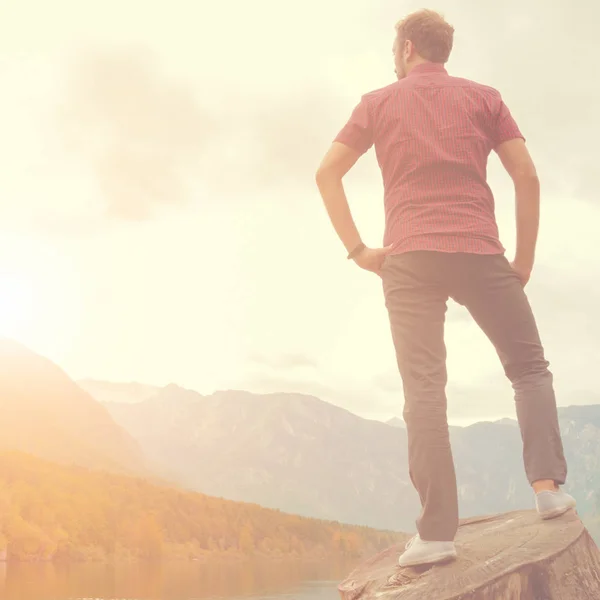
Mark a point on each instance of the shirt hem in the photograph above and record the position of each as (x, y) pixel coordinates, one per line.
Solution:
(449, 246)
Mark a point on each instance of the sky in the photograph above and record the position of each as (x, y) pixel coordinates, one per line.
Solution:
(159, 220)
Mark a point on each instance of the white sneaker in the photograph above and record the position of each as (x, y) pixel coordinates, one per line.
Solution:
(553, 504)
(420, 552)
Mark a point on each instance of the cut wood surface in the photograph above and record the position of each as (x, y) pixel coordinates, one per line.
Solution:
(511, 556)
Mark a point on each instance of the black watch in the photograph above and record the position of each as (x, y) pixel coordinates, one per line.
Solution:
(357, 250)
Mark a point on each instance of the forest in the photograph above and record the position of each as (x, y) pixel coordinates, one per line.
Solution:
(70, 513)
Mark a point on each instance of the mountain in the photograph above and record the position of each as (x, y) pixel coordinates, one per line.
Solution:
(286, 451)
(43, 412)
(308, 457)
(397, 422)
(106, 391)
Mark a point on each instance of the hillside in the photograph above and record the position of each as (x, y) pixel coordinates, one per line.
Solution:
(285, 451)
(52, 512)
(45, 413)
(309, 457)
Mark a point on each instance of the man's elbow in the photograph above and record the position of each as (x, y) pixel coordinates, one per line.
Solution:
(517, 161)
(526, 175)
(326, 175)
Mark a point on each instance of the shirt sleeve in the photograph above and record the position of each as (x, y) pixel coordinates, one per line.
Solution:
(357, 133)
(505, 127)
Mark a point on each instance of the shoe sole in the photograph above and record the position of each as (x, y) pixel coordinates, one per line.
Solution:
(439, 558)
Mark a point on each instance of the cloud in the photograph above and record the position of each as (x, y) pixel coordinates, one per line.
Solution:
(457, 313)
(284, 361)
(293, 132)
(147, 140)
(140, 133)
(389, 382)
(152, 138)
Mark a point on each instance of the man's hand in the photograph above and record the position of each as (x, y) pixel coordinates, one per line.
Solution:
(371, 259)
(523, 271)
(519, 165)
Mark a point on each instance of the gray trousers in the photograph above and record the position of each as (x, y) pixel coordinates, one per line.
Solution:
(417, 286)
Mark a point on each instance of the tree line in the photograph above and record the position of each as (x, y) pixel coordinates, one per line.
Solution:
(54, 512)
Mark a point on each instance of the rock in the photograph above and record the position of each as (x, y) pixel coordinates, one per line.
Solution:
(510, 556)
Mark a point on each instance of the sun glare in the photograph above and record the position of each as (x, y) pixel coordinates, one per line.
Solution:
(17, 305)
(39, 300)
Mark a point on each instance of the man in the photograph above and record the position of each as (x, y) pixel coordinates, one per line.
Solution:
(432, 134)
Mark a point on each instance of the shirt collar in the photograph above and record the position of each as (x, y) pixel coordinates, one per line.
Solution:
(428, 67)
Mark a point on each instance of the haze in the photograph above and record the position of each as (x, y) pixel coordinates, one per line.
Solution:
(159, 220)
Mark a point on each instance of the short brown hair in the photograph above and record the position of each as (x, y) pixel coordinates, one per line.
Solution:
(431, 35)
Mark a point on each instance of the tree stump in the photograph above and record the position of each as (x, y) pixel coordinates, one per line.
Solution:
(511, 556)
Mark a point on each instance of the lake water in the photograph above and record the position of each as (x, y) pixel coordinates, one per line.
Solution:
(267, 580)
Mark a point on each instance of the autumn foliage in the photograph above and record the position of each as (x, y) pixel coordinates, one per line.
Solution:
(53, 512)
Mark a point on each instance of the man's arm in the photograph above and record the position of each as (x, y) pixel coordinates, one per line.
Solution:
(351, 142)
(336, 163)
(355, 138)
(518, 163)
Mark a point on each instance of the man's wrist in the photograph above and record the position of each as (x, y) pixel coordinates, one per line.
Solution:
(358, 248)
(524, 263)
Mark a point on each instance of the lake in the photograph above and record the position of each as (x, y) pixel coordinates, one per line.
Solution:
(267, 580)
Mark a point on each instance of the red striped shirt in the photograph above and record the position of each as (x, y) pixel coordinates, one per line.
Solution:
(433, 134)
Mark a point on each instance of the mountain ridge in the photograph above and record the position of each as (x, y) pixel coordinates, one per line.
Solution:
(301, 454)
(45, 413)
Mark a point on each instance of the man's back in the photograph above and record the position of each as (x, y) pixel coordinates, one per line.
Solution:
(433, 134)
